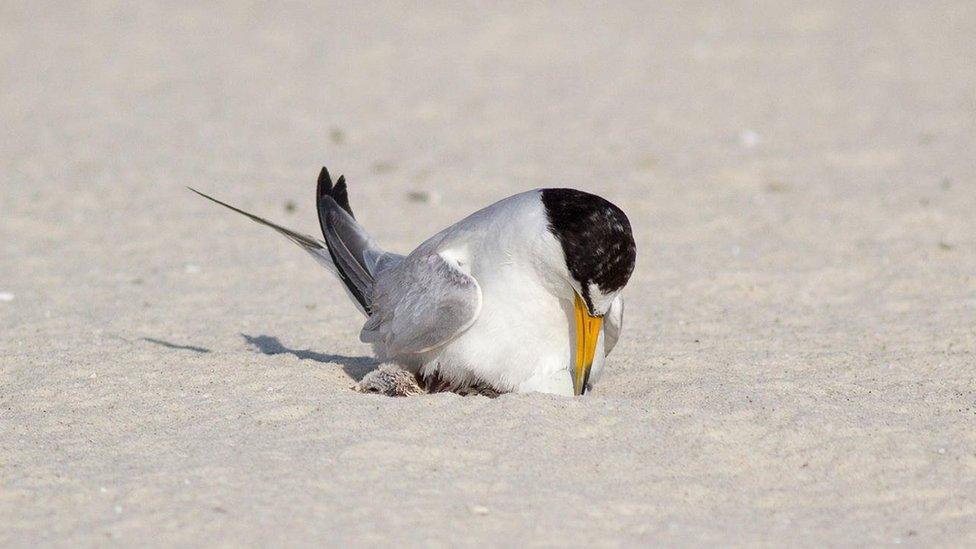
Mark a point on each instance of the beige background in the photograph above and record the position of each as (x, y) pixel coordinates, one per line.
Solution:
(797, 364)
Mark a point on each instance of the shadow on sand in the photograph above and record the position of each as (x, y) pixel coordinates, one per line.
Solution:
(176, 346)
(355, 366)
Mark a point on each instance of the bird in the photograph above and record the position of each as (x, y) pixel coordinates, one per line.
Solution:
(524, 295)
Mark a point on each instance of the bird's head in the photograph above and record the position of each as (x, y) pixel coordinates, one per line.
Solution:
(599, 254)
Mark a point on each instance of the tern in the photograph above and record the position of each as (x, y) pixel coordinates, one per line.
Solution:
(521, 296)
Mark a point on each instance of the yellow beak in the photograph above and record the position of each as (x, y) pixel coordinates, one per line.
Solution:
(587, 336)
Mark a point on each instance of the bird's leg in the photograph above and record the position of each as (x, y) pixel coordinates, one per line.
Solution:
(390, 380)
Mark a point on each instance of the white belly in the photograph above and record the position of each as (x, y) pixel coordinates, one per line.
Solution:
(522, 341)
(524, 337)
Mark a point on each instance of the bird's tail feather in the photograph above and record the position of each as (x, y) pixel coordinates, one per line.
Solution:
(316, 248)
(351, 249)
(348, 251)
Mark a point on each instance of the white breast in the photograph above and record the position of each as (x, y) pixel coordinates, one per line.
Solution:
(523, 338)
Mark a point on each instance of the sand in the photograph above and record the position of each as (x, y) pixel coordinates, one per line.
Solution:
(797, 364)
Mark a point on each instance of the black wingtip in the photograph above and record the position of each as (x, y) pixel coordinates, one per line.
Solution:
(325, 183)
(338, 192)
(341, 195)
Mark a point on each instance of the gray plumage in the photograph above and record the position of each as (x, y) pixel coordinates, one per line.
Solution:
(357, 258)
(413, 303)
(420, 304)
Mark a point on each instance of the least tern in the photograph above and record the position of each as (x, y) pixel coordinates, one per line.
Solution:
(521, 296)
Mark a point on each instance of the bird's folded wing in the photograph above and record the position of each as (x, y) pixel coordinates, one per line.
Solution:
(420, 305)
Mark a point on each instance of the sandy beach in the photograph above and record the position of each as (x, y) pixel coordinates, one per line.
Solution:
(798, 360)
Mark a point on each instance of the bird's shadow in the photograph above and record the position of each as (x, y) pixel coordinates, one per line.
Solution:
(355, 367)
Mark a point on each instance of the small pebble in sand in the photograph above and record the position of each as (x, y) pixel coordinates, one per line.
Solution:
(426, 197)
(191, 268)
(479, 510)
(6, 296)
(118, 509)
(942, 450)
(290, 206)
(383, 167)
(337, 136)
(103, 490)
(647, 163)
(749, 138)
(945, 246)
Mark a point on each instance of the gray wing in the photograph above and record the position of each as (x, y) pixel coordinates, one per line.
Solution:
(357, 258)
(613, 324)
(419, 305)
(348, 251)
